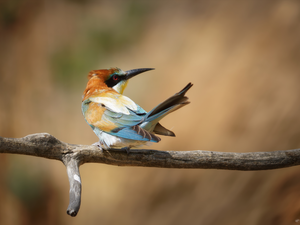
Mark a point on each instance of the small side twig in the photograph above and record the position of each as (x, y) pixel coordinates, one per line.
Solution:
(75, 186)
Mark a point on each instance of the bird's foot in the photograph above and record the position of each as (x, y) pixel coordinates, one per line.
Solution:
(98, 145)
(127, 149)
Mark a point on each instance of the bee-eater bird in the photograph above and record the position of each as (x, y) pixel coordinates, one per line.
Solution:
(116, 119)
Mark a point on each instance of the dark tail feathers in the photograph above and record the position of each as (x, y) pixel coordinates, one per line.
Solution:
(173, 103)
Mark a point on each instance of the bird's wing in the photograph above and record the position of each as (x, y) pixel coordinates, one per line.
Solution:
(118, 115)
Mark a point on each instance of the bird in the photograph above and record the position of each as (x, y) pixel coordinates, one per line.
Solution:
(117, 120)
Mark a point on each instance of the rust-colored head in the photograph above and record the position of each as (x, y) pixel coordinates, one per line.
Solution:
(96, 81)
(114, 79)
(103, 74)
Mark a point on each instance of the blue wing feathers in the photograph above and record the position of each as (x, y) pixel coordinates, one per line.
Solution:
(140, 125)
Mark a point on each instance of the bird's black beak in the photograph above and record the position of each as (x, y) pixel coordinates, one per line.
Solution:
(134, 72)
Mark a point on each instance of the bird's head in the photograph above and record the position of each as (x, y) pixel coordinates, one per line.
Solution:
(113, 78)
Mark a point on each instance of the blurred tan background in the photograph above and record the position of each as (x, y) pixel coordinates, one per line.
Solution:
(244, 60)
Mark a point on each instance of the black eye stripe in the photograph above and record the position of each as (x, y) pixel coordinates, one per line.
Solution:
(114, 80)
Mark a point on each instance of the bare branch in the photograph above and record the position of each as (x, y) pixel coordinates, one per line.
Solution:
(47, 146)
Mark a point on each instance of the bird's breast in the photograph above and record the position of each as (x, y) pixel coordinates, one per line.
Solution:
(94, 116)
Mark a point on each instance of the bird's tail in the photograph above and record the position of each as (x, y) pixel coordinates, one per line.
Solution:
(170, 105)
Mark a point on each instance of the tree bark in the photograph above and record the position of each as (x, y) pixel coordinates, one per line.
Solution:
(46, 146)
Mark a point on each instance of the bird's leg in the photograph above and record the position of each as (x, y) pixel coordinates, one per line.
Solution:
(127, 149)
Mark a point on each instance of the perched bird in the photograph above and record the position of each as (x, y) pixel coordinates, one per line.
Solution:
(116, 119)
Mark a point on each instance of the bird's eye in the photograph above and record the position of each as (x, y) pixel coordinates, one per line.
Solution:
(113, 80)
(115, 77)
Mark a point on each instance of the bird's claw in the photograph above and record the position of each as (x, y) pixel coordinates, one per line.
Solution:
(98, 145)
(127, 149)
